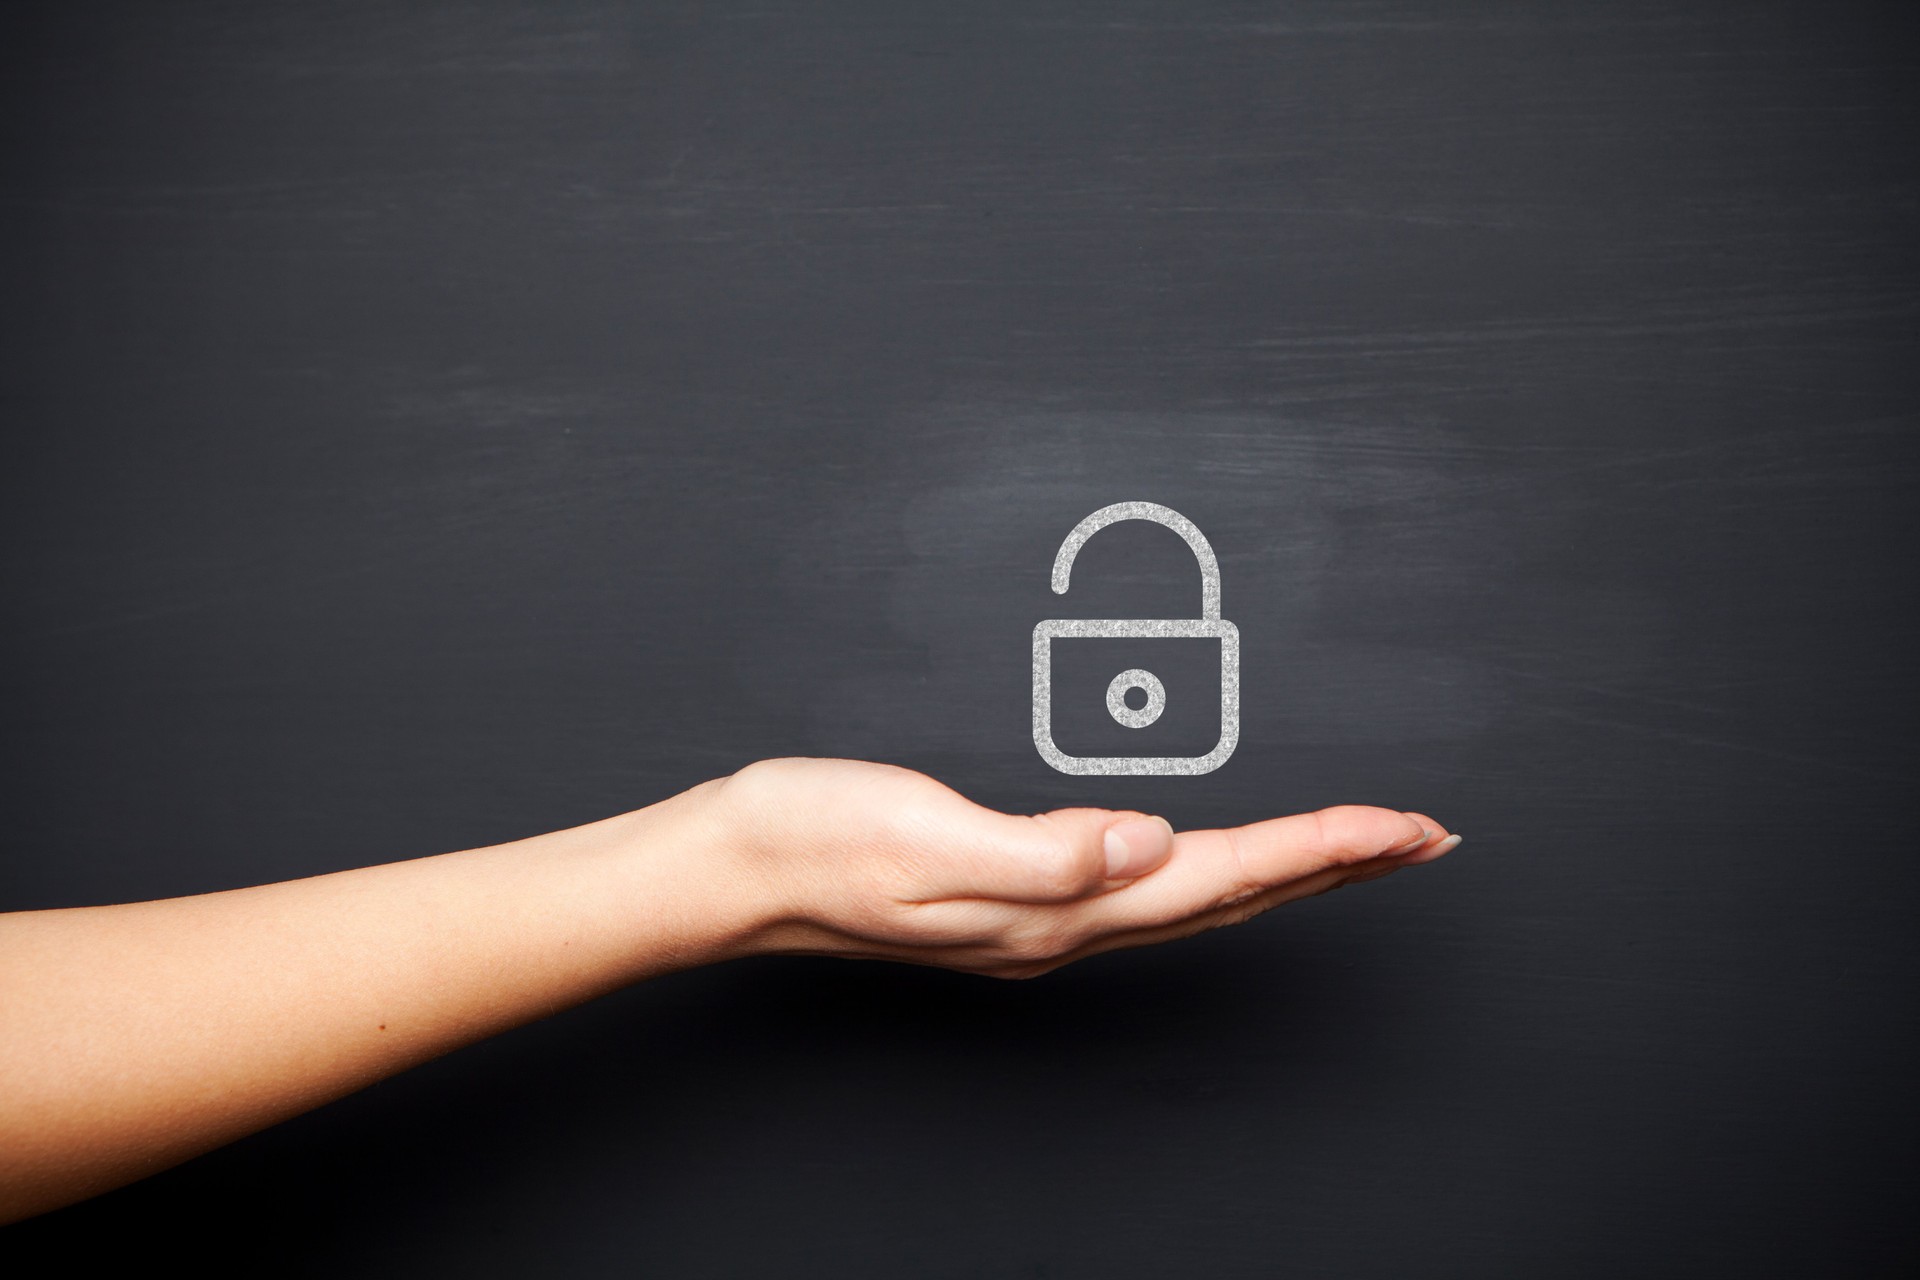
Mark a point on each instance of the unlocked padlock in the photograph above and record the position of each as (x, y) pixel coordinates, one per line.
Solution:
(1208, 626)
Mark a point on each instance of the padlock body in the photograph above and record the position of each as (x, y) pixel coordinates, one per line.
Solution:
(1047, 633)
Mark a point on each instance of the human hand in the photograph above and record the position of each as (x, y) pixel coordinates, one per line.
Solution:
(870, 861)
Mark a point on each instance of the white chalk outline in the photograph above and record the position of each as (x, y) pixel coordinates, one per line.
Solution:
(1210, 625)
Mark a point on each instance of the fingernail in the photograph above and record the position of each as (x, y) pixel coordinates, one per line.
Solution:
(1137, 846)
(1413, 842)
(1444, 847)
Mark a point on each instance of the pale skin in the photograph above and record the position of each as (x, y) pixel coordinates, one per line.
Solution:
(134, 1037)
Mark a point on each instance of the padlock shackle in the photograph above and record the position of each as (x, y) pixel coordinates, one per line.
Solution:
(1153, 511)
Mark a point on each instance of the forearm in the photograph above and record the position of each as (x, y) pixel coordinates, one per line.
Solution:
(133, 1037)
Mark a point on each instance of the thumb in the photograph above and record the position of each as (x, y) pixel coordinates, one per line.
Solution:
(1063, 855)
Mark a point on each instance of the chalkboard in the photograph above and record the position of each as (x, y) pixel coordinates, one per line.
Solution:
(429, 425)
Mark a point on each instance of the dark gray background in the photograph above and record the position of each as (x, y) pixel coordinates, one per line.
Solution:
(426, 426)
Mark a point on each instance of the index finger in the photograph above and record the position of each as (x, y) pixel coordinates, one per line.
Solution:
(1212, 869)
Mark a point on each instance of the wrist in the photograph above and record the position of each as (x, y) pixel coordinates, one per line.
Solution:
(680, 887)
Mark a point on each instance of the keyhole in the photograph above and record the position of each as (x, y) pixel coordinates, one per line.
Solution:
(1120, 698)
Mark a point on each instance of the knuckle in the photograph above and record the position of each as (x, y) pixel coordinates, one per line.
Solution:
(1061, 871)
(1319, 848)
(1344, 834)
(1234, 897)
(1033, 944)
(1239, 913)
(1243, 884)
